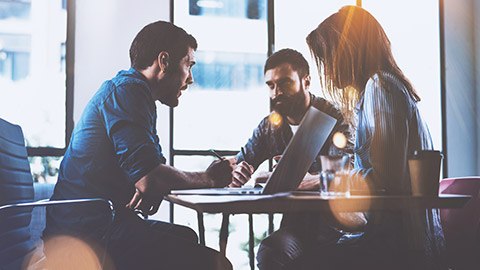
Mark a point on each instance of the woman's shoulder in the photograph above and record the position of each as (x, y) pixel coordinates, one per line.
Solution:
(385, 83)
(384, 90)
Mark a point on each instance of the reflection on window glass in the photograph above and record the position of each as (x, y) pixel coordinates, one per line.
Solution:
(14, 65)
(32, 69)
(228, 71)
(247, 9)
(14, 56)
(16, 9)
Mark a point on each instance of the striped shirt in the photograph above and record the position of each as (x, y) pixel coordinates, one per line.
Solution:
(389, 129)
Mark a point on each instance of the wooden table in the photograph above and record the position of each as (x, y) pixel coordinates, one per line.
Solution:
(300, 202)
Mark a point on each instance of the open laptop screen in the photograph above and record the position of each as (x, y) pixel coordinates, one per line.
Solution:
(301, 151)
(298, 156)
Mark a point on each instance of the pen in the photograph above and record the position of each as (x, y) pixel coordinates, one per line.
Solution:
(217, 154)
(243, 154)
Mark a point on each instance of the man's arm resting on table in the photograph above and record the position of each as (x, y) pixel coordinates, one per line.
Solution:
(151, 188)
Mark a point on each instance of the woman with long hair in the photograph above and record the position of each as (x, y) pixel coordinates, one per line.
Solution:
(358, 71)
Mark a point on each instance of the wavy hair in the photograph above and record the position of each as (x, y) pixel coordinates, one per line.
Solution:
(349, 47)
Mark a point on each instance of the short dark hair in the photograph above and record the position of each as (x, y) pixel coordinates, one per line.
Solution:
(288, 56)
(157, 37)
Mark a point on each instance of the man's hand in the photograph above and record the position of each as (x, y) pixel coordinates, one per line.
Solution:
(310, 182)
(241, 174)
(220, 171)
(150, 189)
(147, 204)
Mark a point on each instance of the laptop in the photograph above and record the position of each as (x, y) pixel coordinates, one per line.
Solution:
(297, 158)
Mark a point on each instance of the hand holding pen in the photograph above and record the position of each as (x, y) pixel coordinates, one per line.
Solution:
(221, 170)
(242, 173)
(217, 154)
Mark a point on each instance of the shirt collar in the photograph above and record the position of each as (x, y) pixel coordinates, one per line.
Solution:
(137, 74)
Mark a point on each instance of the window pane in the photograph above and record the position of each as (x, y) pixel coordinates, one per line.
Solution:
(45, 169)
(228, 71)
(294, 20)
(193, 163)
(229, 97)
(32, 69)
(416, 48)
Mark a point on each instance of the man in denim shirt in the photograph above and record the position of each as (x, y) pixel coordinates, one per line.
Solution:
(114, 153)
(287, 76)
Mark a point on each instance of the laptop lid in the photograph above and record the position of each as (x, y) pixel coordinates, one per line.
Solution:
(301, 151)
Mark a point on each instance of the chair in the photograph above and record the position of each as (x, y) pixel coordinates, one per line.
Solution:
(462, 226)
(17, 199)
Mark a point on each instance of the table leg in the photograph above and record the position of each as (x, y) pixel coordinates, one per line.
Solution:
(251, 242)
(171, 212)
(201, 228)
(224, 233)
(270, 223)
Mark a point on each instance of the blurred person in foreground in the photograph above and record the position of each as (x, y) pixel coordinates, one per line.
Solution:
(287, 75)
(114, 153)
(358, 71)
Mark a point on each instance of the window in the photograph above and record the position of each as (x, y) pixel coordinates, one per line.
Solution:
(416, 48)
(228, 98)
(245, 9)
(33, 78)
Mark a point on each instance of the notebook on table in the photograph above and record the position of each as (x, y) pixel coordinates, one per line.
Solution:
(297, 158)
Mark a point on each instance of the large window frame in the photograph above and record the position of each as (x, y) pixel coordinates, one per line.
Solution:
(69, 87)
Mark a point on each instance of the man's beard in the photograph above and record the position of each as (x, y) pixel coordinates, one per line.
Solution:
(290, 106)
(170, 87)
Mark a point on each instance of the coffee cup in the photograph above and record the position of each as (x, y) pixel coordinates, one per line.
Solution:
(425, 172)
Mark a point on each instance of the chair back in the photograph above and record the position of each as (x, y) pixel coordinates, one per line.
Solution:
(16, 185)
(461, 226)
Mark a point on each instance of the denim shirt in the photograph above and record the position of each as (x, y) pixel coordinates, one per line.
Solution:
(389, 129)
(269, 140)
(114, 144)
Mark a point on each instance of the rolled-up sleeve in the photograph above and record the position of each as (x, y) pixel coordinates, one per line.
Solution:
(129, 115)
